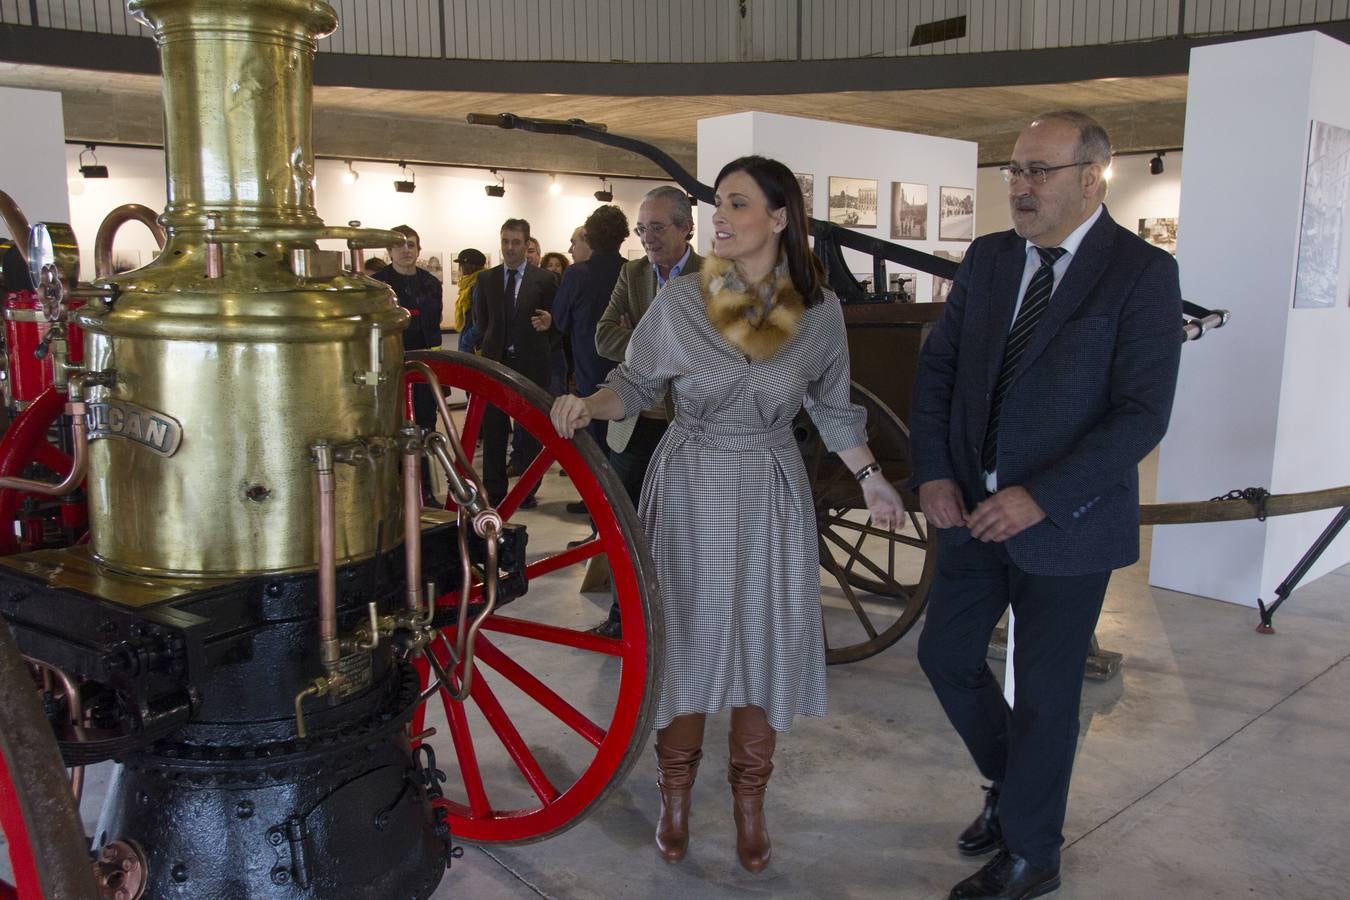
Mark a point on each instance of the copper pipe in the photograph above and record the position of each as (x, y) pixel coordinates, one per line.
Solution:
(76, 410)
(112, 222)
(328, 642)
(412, 519)
(75, 709)
(17, 223)
(456, 446)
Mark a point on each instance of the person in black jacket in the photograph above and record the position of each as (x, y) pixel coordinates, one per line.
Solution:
(419, 292)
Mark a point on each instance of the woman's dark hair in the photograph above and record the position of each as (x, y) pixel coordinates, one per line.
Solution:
(782, 191)
(606, 229)
(553, 254)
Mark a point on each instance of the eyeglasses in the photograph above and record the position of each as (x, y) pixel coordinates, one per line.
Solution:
(656, 228)
(1035, 174)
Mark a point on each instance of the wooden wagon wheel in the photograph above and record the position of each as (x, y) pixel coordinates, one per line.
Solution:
(28, 441)
(523, 776)
(875, 582)
(40, 826)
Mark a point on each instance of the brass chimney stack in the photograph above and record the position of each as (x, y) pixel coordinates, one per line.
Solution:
(243, 336)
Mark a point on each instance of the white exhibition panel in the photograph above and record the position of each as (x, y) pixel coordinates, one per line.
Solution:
(32, 157)
(1262, 402)
(822, 149)
(449, 208)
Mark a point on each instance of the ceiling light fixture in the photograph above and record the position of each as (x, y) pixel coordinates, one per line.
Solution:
(91, 170)
(351, 175)
(1155, 165)
(498, 189)
(553, 187)
(606, 192)
(408, 183)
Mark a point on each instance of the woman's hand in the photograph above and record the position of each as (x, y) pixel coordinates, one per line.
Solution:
(569, 414)
(883, 502)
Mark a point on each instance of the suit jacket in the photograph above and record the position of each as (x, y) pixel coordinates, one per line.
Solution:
(633, 294)
(583, 294)
(504, 325)
(1092, 395)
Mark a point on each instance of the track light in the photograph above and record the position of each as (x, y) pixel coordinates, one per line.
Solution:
(498, 189)
(91, 170)
(606, 192)
(351, 175)
(1155, 165)
(553, 187)
(408, 183)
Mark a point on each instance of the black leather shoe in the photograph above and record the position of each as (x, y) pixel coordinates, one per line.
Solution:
(1007, 877)
(529, 502)
(577, 508)
(609, 628)
(984, 834)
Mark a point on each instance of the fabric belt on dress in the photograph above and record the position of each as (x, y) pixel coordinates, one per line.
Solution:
(722, 437)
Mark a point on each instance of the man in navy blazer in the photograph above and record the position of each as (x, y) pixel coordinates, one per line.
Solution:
(1049, 377)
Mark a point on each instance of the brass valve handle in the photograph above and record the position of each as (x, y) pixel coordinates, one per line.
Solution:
(355, 237)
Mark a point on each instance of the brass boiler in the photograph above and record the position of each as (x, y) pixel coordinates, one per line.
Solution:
(242, 333)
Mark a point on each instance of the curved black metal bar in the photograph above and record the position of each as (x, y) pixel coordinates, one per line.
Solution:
(831, 239)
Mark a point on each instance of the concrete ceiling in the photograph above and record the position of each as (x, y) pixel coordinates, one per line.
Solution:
(428, 126)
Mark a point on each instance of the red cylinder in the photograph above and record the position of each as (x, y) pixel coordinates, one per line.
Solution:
(25, 326)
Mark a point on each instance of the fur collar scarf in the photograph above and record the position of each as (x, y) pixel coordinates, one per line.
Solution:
(756, 319)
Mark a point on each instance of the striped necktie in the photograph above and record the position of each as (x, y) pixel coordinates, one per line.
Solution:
(1034, 302)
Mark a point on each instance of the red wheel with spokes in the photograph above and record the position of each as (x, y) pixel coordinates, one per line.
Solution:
(556, 716)
(27, 441)
(41, 831)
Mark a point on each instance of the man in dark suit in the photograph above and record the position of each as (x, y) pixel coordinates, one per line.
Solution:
(507, 301)
(1049, 377)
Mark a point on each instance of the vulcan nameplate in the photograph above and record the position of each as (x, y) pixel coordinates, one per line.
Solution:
(120, 419)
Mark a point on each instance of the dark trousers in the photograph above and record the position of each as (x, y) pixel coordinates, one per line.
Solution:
(524, 448)
(1028, 749)
(631, 463)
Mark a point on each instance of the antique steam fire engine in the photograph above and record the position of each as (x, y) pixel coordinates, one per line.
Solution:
(260, 607)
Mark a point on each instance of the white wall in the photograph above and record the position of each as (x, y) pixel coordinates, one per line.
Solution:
(1134, 194)
(1262, 402)
(30, 155)
(822, 149)
(448, 209)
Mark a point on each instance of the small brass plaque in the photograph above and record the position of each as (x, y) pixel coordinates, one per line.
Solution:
(121, 419)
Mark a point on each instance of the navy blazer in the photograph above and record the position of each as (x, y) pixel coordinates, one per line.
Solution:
(582, 296)
(1091, 398)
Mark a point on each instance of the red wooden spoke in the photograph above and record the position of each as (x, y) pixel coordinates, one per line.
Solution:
(506, 731)
(473, 423)
(22, 854)
(567, 637)
(514, 672)
(578, 554)
(52, 458)
(463, 741)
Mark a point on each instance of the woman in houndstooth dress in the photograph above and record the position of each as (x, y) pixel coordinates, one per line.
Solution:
(726, 504)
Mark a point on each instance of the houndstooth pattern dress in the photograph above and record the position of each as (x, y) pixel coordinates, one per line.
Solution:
(727, 507)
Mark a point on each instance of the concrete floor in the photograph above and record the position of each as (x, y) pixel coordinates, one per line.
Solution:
(1215, 765)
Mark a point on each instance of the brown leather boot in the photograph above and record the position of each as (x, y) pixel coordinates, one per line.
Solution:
(679, 747)
(751, 762)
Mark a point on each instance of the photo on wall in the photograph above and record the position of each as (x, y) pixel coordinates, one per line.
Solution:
(902, 285)
(432, 263)
(853, 202)
(956, 213)
(943, 286)
(1161, 233)
(808, 185)
(1322, 247)
(909, 211)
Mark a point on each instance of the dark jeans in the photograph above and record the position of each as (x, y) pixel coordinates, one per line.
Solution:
(1029, 749)
(631, 466)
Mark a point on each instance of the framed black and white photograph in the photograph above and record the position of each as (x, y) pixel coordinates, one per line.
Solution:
(956, 213)
(853, 202)
(432, 263)
(909, 211)
(943, 286)
(808, 185)
(1321, 237)
(1161, 233)
(902, 285)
